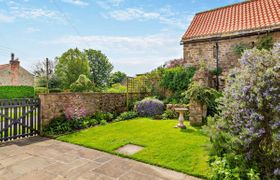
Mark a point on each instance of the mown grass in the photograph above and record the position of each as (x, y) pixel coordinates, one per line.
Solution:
(177, 149)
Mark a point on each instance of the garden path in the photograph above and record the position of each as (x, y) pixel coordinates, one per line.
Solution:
(43, 158)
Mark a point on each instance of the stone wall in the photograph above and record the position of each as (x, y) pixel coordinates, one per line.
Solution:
(196, 52)
(198, 111)
(54, 104)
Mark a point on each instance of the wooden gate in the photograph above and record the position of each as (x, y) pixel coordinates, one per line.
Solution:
(19, 118)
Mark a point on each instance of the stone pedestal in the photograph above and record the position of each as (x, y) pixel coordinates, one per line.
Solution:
(197, 112)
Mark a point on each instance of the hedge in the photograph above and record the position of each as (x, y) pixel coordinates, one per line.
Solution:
(41, 90)
(12, 92)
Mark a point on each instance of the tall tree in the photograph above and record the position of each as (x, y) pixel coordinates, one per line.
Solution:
(70, 66)
(117, 77)
(100, 67)
(41, 70)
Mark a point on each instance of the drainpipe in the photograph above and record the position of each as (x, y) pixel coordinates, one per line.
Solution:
(217, 65)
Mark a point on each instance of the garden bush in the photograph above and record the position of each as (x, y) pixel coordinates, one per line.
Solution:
(57, 126)
(83, 84)
(117, 88)
(246, 136)
(61, 125)
(170, 114)
(99, 116)
(126, 116)
(55, 90)
(41, 90)
(204, 95)
(149, 107)
(11, 92)
(177, 80)
(103, 122)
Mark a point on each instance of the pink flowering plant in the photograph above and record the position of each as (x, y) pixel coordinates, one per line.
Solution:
(75, 111)
(246, 135)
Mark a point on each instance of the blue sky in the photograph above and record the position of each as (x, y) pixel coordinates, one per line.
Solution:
(136, 35)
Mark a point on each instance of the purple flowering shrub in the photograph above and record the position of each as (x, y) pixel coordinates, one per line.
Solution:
(246, 136)
(149, 107)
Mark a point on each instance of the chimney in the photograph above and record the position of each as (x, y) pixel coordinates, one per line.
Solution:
(13, 61)
(15, 69)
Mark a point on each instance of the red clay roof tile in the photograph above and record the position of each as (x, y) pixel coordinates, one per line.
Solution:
(237, 18)
(4, 66)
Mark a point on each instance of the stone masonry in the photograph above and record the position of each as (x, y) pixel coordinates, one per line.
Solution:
(195, 52)
(54, 104)
(197, 110)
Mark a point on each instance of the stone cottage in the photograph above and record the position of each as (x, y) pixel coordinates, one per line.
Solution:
(13, 74)
(213, 34)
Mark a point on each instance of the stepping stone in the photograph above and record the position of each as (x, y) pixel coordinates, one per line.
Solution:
(129, 149)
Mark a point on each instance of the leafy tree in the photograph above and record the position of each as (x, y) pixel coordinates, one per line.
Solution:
(83, 84)
(117, 77)
(100, 67)
(70, 66)
(54, 82)
(246, 136)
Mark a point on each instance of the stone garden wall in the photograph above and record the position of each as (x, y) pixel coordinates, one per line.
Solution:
(54, 104)
(197, 110)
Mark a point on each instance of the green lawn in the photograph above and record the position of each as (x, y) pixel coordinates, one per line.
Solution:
(181, 150)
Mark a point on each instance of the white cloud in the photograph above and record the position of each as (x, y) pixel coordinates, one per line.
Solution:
(77, 2)
(33, 13)
(132, 54)
(5, 18)
(32, 30)
(164, 16)
(133, 13)
(108, 4)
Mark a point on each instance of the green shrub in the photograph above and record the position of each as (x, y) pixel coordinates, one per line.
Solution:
(177, 80)
(103, 122)
(238, 49)
(117, 88)
(157, 117)
(126, 116)
(83, 84)
(99, 116)
(170, 114)
(61, 125)
(204, 95)
(57, 126)
(41, 90)
(265, 42)
(12, 92)
(55, 90)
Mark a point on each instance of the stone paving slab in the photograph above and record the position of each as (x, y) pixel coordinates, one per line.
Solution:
(129, 149)
(44, 159)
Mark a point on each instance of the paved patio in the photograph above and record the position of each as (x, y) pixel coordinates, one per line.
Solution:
(43, 158)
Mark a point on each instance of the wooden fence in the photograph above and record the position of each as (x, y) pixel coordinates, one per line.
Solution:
(19, 118)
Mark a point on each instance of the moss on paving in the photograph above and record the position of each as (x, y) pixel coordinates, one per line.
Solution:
(181, 150)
